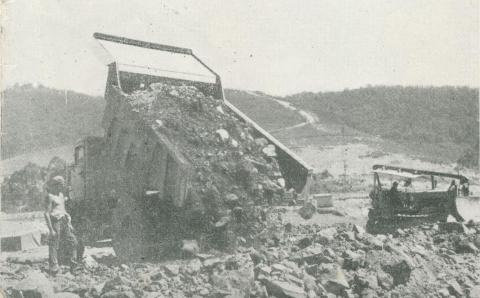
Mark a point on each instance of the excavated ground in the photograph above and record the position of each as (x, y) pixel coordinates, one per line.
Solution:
(271, 255)
(439, 260)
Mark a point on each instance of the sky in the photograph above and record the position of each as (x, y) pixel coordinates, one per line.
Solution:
(280, 47)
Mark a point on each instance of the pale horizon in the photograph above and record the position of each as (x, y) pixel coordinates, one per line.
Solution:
(279, 48)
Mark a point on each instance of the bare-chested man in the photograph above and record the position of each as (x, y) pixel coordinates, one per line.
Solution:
(59, 225)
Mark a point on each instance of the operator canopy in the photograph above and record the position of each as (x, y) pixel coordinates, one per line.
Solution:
(402, 175)
(409, 173)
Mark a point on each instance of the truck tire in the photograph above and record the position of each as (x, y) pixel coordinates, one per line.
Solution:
(372, 222)
(128, 231)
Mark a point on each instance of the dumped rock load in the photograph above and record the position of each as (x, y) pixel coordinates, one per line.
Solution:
(221, 148)
(24, 191)
(232, 170)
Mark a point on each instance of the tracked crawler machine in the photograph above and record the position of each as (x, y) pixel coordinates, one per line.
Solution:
(418, 197)
(135, 183)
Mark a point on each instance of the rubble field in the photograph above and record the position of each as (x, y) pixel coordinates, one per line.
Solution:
(254, 249)
(439, 260)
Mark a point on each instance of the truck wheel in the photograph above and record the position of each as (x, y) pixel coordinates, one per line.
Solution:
(372, 225)
(128, 237)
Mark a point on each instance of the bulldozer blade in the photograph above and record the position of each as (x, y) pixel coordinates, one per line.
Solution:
(469, 208)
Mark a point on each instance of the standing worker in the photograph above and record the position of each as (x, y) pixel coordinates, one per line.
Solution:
(59, 226)
(409, 190)
(464, 188)
(394, 195)
(451, 203)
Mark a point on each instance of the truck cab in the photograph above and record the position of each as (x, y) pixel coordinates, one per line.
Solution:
(86, 167)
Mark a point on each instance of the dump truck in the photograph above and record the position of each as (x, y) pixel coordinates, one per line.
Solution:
(404, 197)
(130, 183)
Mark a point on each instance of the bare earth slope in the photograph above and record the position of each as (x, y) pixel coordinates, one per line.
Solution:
(440, 122)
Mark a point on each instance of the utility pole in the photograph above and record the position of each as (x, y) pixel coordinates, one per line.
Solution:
(344, 156)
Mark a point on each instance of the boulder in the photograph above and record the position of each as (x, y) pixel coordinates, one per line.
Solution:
(399, 269)
(282, 289)
(310, 283)
(474, 292)
(65, 295)
(385, 280)
(190, 247)
(353, 260)
(325, 236)
(368, 293)
(238, 282)
(261, 142)
(259, 290)
(118, 294)
(269, 150)
(455, 289)
(307, 211)
(35, 284)
(220, 109)
(366, 280)
(476, 241)
(222, 134)
(444, 293)
(89, 262)
(263, 269)
(304, 242)
(124, 267)
(172, 269)
(358, 229)
(280, 268)
(211, 262)
(115, 283)
(465, 246)
(336, 281)
(313, 254)
(453, 227)
(193, 266)
(375, 242)
(173, 92)
(231, 199)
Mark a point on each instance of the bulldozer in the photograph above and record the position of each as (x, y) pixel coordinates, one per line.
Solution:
(405, 197)
(131, 184)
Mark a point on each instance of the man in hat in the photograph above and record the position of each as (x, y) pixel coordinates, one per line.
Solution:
(394, 195)
(59, 225)
(452, 202)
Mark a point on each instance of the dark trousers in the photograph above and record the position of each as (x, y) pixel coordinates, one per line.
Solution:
(63, 246)
(452, 207)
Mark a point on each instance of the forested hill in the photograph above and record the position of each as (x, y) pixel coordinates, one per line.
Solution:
(37, 118)
(431, 117)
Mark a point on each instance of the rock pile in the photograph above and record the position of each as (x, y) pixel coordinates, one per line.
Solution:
(306, 261)
(23, 191)
(234, 169)
(345, 261)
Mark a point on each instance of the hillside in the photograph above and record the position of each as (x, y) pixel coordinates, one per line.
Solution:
(436, 120)
(266, 112)
(39, 118)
